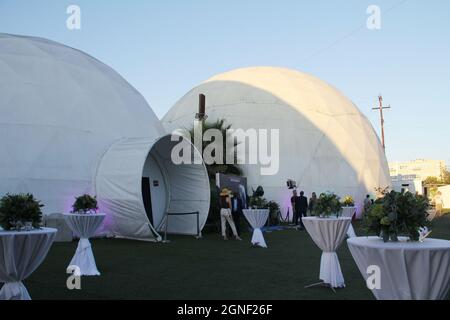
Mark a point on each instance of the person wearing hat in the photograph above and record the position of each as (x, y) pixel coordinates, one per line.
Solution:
(225, 213)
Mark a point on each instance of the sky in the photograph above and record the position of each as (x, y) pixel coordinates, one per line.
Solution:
(165, 48)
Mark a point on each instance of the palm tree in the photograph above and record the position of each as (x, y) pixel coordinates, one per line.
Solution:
(219, 167)
(213, 169)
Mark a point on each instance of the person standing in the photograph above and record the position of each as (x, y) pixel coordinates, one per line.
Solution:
(295, 214)
(367, 204)
(225, 214)
(302, 207)
(236, 212)
(312, 203)
(439, 203)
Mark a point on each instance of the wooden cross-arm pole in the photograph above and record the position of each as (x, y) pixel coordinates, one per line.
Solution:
(381, 108)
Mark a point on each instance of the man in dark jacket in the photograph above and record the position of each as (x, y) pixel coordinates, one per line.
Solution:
(301, 206)
(237, 211)
(295, 212)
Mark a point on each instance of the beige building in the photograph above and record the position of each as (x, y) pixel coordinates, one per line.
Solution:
(420, 169)
(409, 183)
(444, 196)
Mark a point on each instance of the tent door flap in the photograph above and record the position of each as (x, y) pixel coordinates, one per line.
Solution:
(147, 197)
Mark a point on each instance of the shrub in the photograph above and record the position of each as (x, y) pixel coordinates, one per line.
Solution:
(274, 209)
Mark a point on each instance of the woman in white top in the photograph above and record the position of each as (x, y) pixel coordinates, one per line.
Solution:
(225, 214)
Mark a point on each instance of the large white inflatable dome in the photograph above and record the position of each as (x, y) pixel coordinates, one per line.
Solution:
(70, 125)
(326, 143)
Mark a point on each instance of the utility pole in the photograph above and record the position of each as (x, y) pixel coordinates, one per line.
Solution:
(199, 121)
(381, 108)
(201, 115)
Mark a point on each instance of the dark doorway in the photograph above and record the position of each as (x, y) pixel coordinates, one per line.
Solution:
(146, 196)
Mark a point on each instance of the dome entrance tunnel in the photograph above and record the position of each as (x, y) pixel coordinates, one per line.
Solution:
(139, 183)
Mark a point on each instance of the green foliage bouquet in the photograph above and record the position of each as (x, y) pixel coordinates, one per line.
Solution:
(18, 209)
(348, 201)
(257, 200)
(398, 214)
(85, 204)
(328, 204)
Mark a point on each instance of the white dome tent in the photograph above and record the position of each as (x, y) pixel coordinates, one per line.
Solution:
(326, 143)
(72, 125)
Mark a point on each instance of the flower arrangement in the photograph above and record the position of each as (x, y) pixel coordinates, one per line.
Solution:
(20, 210)
(328, 204)
(257, 200)
(85, 204)
(398, 214)
(348, 201)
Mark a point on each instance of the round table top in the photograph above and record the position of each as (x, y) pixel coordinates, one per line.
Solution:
(403, 244)
(84, 214)
(4, 233)
(330, 219)
(84, 225)
(256, 210)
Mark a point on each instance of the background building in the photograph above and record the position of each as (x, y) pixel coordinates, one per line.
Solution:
(420, 168)
(409, 175)
(407, 183)
(445, 196)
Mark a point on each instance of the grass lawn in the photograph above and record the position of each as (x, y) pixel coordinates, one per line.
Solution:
(203, 269)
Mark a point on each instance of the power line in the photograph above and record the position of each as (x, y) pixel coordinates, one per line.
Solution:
(348, 35)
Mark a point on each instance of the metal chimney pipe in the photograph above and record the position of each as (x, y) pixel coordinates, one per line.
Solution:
(201, 115)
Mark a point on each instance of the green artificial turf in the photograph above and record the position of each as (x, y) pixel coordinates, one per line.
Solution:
(209, 268)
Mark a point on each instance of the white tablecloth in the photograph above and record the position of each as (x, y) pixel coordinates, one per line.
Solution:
(85, 226)
(328, 234)
(257, 219)
(349, 212)
(408, 270)
(20, 254)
